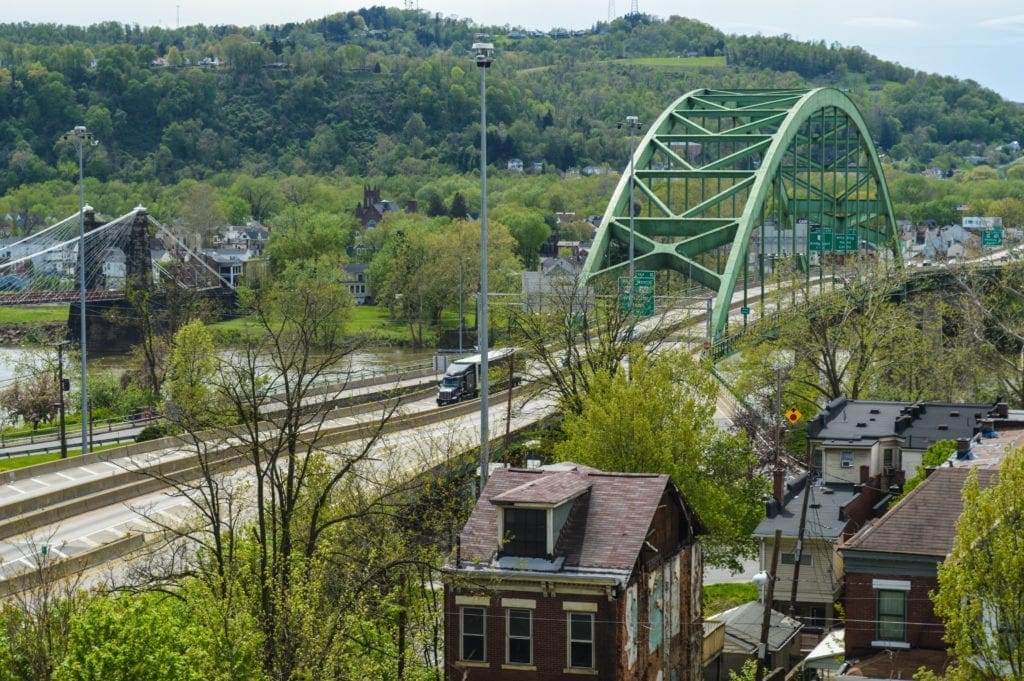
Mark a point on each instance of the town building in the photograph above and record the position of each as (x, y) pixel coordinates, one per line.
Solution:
(564, 571)
(743, 638)
(828, 518)
(373, 209)
(357, 279)
(891, 567)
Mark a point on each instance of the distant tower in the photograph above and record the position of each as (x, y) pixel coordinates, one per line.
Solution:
(611, 11)
(635, 7)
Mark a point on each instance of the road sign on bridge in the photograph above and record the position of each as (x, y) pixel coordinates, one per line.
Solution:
(992, 237)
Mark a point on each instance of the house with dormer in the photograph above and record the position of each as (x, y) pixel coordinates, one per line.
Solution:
(564, 571)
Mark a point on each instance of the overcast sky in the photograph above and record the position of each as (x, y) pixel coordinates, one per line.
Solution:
(982, 40)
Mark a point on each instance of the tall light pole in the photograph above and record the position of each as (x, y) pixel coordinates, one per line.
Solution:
(484, 57)
(632, 123)
(80, 136)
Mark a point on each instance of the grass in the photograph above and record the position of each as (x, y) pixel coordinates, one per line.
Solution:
(14, 462)
(678, 62)
(720, 597)
(369, 320)
(33, 314)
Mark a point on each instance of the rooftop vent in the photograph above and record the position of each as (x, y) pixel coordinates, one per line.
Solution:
(954, 414)
(874, 411)
(861, 424)
(943, 426)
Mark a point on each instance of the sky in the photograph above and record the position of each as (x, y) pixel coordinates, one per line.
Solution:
(981, 40)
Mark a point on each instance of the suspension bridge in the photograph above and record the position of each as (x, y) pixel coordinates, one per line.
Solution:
(729, 188)
(131, 251)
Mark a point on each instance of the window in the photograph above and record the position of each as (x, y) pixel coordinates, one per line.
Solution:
(526, 532)
(473, 635)
(887, 458)
(806, 559)
(846, 460)
(892, 615)
(581, 640)
(520, 636)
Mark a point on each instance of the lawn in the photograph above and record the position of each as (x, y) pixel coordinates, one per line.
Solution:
(12, 462)
(33, 314)
(720, 597)
(678, 62)
(369, 320)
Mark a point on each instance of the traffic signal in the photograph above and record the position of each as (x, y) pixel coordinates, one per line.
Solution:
(65, 385)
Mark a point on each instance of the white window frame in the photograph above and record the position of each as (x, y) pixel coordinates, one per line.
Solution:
(509, 636)
(482, 634)
(789, 558)
(569, 640)
(846, 459)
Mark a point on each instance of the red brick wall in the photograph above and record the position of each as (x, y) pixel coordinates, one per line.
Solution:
(549, 638)
(924, 629)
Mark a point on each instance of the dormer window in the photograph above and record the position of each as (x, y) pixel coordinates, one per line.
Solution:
(531, 516)
(526, 531)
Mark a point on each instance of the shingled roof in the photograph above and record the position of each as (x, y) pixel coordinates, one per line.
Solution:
(607, 529)
(924, 522)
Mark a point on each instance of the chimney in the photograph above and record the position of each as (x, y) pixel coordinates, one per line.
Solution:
(779, 486)
(1002, 410)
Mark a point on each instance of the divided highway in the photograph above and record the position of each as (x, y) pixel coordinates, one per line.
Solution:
(86, 510)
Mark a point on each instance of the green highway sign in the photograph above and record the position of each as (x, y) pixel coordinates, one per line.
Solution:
(643, 286)
(846, 241)
(820, 240)
(992, 237)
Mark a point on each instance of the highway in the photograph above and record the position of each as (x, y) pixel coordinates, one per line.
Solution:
(94, 508)
(85, 510)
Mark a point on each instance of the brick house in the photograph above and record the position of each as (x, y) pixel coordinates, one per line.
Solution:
(373, 209)
(565, 571)
(891, 566)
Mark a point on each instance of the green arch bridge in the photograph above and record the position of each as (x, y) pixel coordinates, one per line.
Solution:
(730, 185)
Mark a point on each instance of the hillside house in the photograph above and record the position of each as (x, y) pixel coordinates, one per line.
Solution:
(565, 571)
(891, 566)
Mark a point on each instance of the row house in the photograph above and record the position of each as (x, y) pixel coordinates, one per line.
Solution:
(564, 571)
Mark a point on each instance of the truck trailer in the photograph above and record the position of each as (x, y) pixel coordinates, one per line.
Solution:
(462, 378)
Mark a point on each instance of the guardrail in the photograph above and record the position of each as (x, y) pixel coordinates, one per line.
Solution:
(226, 459)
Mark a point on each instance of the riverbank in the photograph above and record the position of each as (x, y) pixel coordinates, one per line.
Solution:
(32, 333)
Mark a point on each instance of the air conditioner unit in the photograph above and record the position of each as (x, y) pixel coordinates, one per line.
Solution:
(846, 464)
(888, 471)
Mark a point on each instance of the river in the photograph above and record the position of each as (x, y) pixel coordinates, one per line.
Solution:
(364, 361)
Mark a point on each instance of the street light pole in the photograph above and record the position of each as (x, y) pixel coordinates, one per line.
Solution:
(79, 136)
(484, 57)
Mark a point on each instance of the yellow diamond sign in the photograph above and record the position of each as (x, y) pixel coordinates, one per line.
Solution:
(793, 415)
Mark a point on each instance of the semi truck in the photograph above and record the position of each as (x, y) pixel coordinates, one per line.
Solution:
(462, 378)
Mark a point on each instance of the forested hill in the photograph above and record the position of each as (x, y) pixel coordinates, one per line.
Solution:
(383, 92)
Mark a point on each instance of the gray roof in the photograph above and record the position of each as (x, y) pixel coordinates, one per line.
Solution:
(920, 424)
(824, 517)
(743, 628)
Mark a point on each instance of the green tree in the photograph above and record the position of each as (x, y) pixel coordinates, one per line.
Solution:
(657, 416)
(528, 229)
(300, 233)
(458, 210)
(980, 586)
(189, 397)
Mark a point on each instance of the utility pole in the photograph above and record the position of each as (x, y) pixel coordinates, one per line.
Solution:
(60, 403)
(800, 535)
(766, 620)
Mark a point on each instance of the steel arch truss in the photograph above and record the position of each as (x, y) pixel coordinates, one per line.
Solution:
(727, 182)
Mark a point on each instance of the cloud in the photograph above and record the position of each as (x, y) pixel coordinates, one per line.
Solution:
(1014, 23)
(883, 23)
